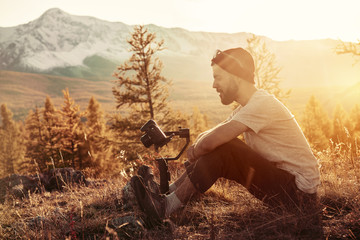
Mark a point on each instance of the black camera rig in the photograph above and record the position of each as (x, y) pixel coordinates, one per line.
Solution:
(155, 136)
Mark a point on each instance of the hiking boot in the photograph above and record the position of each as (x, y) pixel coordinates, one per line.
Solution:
(152, 204)
(147, 174)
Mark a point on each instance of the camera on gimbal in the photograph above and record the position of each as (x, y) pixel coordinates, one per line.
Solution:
(155, 136)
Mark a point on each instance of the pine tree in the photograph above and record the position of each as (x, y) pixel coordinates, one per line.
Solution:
(71, 131)
(95, 118)
(24, 165)
(51, 132)
(146, 87)
(266, 71)
(95, 137)
(141, 87)
(12, 149)
(316, 124)
(35, 143)
(103, 162)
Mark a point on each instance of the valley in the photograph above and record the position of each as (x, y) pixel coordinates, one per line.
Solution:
(24, 91)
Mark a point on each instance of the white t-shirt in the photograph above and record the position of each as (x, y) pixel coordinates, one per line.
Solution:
(275, 135)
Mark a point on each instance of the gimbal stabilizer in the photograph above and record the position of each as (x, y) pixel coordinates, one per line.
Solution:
(155, 136)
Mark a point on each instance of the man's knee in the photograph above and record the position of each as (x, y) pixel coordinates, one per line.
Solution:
(226, 151)
(204, 172)
(208, 168)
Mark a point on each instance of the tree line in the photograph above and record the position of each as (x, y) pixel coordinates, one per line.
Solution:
(343, 129)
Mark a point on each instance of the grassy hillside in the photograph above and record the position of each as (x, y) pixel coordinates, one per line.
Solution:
(329, 97)
(23, 91)
(95, 67)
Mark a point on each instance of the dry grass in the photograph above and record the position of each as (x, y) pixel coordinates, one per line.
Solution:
(226, 211)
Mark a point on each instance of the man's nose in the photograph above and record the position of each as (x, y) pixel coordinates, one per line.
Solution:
(214, 84)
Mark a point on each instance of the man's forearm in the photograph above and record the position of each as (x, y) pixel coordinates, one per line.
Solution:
(217, 136)
(203, 134)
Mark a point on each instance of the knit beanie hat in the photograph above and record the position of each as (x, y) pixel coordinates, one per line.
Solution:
(236, 61)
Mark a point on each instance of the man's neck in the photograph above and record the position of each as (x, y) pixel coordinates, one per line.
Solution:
(245, 94)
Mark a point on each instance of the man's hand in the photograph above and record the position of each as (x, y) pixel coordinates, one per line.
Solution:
(218, 135)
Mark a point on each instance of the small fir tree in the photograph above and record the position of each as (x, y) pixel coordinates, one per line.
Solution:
(51, 132)
(24, 165)
(12, 148)
(71, 131)
(97, 148)
(35, 143)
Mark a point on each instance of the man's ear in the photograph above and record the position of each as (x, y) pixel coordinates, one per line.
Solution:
(243, 82)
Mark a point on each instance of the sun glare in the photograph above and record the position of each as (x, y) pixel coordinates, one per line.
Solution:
(277, 19)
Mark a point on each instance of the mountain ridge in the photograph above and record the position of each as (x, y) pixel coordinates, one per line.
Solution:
(62, 44)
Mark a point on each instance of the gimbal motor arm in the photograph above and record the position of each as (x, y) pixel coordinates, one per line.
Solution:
(182, 133)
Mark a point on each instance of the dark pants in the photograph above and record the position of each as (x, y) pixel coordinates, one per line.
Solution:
(237, 161)
(275, 187)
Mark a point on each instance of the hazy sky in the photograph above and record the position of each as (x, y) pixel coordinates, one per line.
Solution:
(277, 19)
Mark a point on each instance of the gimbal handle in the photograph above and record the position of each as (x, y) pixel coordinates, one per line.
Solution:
(163, 162)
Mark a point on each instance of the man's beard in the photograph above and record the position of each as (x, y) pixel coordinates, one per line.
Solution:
(229, 96)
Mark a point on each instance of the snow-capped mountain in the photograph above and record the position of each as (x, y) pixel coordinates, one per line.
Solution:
(86, 47)
(58, 39)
